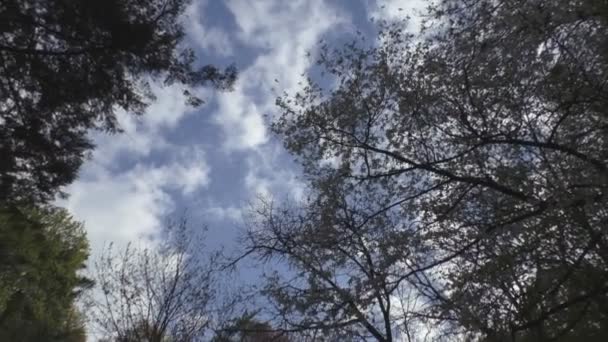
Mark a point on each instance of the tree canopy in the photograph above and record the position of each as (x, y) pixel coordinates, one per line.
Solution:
(43, 252)
(347, 269)
(67, 67)
(481, 143)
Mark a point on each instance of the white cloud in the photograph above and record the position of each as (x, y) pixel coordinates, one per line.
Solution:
(142, 135)
(189, 171)
(211, 40)
(241, 119)
(131, 205)
(126, 202)
(117, 208)
(267, 175)
(285, 31)
(229, 213)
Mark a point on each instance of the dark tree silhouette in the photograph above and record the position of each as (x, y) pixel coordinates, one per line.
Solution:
(67, 66)
(345, 268)
(486, 139)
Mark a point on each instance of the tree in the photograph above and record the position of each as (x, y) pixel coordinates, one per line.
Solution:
(67, 67)
(486, 138)
(345, 268)
(153, 294)
(248, 329)
(43, 251)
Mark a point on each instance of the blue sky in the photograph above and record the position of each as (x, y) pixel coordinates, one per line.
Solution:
(214, 160)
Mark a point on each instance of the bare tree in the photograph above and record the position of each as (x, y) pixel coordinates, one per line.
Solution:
(153, 294)
(488, 142)
(346, 268)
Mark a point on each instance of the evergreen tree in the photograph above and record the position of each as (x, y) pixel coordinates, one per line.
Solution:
(67, 67)
(43, 252)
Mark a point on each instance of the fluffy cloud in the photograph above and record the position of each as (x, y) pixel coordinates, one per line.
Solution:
(284, 32)
(265, 178)
(143, 135)
(130, 205)
(125, 191)
(124, 201)
(230, 213)
(241, 118)
(210, 39)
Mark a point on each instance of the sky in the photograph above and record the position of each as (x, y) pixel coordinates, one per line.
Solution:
(210, 163)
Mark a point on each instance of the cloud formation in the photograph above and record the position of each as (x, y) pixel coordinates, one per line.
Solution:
(285, 32)
(208, 38)
(125, 190)
(137, 178)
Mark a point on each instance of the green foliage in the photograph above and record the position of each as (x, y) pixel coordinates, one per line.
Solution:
(67, 67)
(43, 251)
